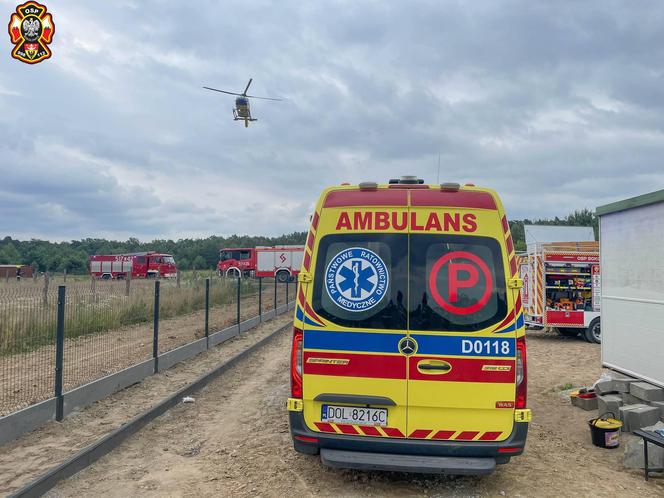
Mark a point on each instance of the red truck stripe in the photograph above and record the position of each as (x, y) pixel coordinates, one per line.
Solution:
(465, 370)
(376, 366)
(443, 434)
(380, 197)
(370, 431)
(464, 199)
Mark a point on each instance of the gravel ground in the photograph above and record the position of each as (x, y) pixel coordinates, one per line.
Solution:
(234, 441)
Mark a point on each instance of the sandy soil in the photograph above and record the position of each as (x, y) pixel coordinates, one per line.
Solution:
(32, 454)
(28, 378)
(234, 441)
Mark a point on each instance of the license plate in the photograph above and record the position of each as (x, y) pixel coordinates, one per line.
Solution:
(354, 415)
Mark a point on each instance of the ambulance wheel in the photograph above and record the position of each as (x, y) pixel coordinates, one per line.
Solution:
(594, 333)
(282, 277)
(565, 332)
(105, 276)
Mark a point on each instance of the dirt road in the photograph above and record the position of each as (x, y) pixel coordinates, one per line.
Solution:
(234, 441)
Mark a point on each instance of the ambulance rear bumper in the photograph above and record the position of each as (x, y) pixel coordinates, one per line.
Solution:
(407, 463)
(310, 442)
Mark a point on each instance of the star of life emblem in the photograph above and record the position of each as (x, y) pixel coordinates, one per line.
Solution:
(356, 279)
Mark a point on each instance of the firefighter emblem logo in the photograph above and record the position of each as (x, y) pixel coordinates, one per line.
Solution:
(31, 30)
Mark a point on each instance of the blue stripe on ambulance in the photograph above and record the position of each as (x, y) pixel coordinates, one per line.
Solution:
(427, 344)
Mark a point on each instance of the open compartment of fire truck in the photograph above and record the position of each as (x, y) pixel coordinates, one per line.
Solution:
(562, 287)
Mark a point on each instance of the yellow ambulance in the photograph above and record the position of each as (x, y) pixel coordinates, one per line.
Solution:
(409, 348)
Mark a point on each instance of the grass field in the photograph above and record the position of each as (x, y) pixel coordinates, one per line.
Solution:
(28, 308)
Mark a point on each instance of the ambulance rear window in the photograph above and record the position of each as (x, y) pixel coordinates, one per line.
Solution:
(361, 280)
(457, 283)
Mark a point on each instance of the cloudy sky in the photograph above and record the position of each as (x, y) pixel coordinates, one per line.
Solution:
(557, 105)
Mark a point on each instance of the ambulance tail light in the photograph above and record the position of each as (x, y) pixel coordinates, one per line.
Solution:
(296, 364)
(521, 373)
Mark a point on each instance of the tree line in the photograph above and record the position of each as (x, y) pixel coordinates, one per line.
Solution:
(197, 254)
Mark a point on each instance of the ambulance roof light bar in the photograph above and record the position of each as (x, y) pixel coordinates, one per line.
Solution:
(368, 186)
(406, 180)
(450, 187)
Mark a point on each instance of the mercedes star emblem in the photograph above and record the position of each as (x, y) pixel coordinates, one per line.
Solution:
(407, 346)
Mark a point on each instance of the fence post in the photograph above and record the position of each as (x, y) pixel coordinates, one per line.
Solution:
(260, 299)
(155, 328)
(239, 281)
(93, 288)
(127, 283)
(207, 312)
(45, 297)
(275, 293)
(59, 353)
(287, 286)
(64, 275)
(177, 279)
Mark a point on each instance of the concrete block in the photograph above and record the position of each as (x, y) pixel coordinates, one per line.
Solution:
(587, 404)
(609, 403)
(660, 405)
(622, 382)
(634, 452)
(624, 410)
(628, 399)
(642, 416)
(646, 392)
(605, 387)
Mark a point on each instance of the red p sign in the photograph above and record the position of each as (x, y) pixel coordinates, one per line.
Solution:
(464, 273)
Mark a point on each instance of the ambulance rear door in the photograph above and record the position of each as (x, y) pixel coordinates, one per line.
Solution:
(461, 375)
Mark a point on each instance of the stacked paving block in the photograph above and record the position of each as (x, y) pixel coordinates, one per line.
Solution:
(638, 416)
(609, 403)
(646, 392)
(660, 405)
(636, 403)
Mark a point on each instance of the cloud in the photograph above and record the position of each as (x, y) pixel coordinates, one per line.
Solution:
(556, 106)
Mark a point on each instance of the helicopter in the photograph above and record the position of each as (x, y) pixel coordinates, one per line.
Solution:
(241, 112)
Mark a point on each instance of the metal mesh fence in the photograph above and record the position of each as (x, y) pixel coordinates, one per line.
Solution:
(27, 335)
(108, 326)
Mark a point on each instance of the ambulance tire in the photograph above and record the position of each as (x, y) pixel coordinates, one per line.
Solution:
(106, 276)
(565, 332)
(305, 448)
(593, 333)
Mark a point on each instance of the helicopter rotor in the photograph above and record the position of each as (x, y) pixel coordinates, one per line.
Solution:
(243, 94)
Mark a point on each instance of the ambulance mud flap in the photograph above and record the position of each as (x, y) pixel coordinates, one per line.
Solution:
(407, 463)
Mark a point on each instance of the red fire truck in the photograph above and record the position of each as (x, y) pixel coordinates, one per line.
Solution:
(139, 265)
(561, 288)
(282, 262)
